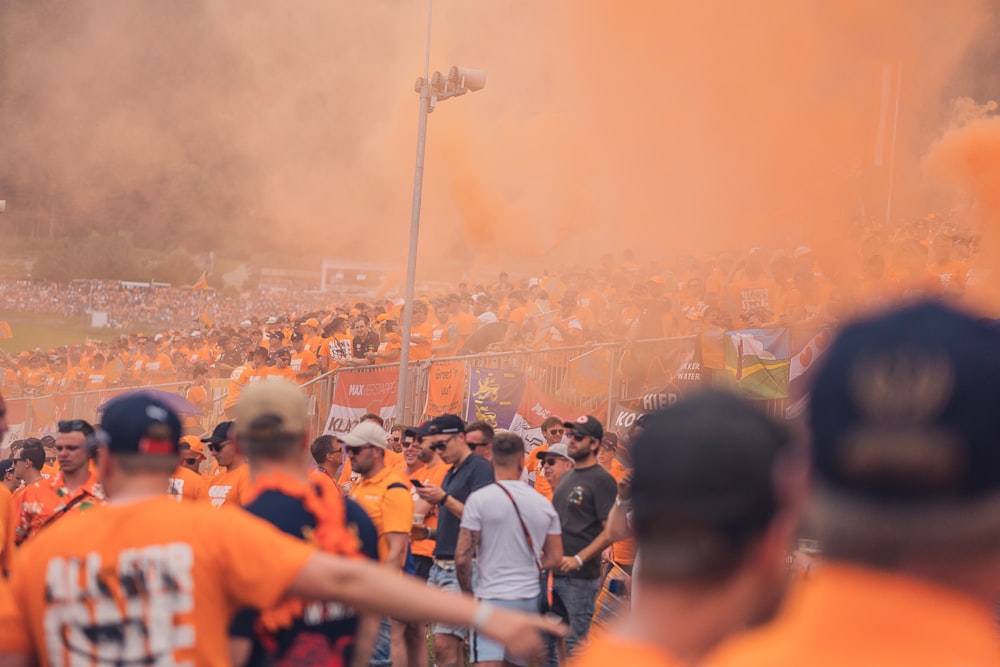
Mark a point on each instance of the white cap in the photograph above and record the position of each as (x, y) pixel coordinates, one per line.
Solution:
(195, 334)
(488, 318)
(245, 324)
(365, 433)
(157, 338)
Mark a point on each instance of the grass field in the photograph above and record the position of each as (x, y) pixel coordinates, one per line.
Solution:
(47, 332)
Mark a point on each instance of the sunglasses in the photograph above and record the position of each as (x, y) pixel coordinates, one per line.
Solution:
(217, 447)
(357, 450)
(549, 461)
(74, 425)
(576, 435)
(557, 431)
(439, 446)
(190, 462)
(394, 439)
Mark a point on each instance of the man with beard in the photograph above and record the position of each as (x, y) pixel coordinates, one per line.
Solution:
(583, 499)
(714, 506)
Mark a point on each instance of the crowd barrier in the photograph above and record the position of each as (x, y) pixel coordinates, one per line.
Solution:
(614, 381)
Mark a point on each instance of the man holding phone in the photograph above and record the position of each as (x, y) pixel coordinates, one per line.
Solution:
(445, 435)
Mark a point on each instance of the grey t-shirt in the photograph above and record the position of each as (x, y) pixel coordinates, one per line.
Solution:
(507, 568)
(583, 500)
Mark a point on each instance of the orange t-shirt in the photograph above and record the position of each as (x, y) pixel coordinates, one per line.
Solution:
(185, 484)
(302, 362)
(612, 650)
(434, 477)
(238, 381)
(13, 629)
(231, 487)
(386, 499)
(844, 615)
(287, 374)
(149, 582)
(420, 351)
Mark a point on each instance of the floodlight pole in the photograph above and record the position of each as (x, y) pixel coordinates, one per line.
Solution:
(411, 261)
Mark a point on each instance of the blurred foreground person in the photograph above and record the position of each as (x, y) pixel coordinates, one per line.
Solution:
(714, 503)
(271, 430)
(148, 580)
(907, 465)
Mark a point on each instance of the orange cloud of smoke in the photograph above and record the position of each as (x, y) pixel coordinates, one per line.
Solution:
(661, 125)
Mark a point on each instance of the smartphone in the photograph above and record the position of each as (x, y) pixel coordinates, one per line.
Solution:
(417, 483)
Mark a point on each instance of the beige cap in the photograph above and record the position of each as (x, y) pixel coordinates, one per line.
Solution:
(365, 433)
(271, 409)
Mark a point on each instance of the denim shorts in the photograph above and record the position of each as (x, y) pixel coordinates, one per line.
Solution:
(446, 579)
(382, 652)
(484, 649)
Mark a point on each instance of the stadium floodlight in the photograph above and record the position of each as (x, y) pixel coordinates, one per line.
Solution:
(432, 89)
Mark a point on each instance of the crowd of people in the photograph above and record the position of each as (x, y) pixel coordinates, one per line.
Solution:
(295, 337)
(131, 542)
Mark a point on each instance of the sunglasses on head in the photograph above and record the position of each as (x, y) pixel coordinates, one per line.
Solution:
(75, 425)
(576, 435)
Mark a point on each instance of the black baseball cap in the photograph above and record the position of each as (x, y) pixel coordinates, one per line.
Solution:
(586, 425)
(136, 423)
(707, 463)
(6, 466)
(443, 424)
(297, 336)
(903, 412)
(220, 434)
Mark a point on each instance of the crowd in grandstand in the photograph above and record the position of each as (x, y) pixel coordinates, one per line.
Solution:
(301, 336)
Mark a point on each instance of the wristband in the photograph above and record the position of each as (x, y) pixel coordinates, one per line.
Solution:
(579, 561)
(482, 615)
(444, 499)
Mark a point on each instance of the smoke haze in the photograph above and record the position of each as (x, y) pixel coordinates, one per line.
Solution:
(665, 126)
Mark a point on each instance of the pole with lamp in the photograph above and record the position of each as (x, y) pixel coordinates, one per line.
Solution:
(432, 90)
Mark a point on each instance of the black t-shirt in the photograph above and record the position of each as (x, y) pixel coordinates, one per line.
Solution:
(474, 473)
(361, 346)
(583, 500)
(324, 635)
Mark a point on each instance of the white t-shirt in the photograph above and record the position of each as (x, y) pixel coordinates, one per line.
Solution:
(507, 569)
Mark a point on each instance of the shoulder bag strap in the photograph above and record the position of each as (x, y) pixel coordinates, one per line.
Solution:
(527, 535)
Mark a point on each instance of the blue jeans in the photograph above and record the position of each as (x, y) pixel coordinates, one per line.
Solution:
(579, 596)
(382, 653)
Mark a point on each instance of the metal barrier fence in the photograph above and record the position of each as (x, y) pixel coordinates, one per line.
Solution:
(586, 376)
(615, 372)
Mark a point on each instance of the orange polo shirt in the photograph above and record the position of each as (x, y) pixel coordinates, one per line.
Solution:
(386, 498)
(847, 615)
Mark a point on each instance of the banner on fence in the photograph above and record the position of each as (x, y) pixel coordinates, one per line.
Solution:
(494, 396)
(445, 383)
(359, 393)
(590, 372)
(649, 366)
(537, 406)
(808, 346)
(757, 363)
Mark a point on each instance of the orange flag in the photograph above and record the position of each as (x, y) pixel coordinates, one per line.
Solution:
(202, 282)
(205, 318)
(5, 331)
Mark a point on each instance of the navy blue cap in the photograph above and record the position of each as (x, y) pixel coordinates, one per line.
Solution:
(6, 466)
(903, 409)
(136, 423)
(443, 424)
(220, 434)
